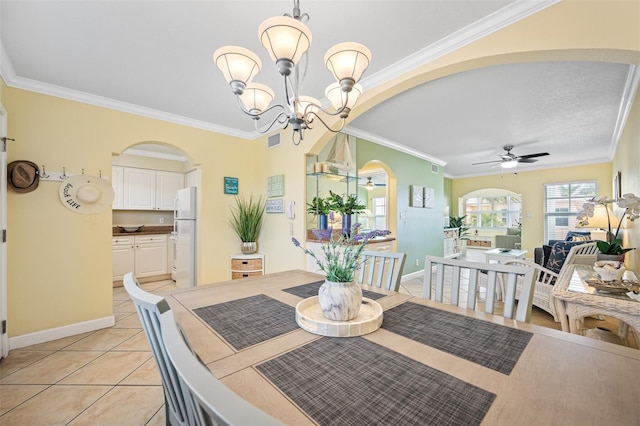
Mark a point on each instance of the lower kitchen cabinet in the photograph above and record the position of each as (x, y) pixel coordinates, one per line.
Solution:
(246, 265)
(144, 255)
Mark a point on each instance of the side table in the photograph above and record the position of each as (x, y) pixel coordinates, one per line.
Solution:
(246, 265)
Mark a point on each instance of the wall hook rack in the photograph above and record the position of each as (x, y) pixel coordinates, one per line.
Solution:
(63, 175)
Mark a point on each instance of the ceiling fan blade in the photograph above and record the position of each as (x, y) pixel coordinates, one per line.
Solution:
(539, 154)
(487, 162)
(526, 160)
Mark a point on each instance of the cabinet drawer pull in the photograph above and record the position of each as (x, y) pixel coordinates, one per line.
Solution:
(244, 262)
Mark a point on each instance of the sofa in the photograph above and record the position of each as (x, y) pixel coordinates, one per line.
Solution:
(542, 255)
(509, 240)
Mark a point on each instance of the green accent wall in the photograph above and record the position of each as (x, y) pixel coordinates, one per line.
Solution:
(419, 230)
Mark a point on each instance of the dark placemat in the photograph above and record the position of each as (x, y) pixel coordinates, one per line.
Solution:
(491, 345)
(245, 322)
(311, 289)
(352, 381)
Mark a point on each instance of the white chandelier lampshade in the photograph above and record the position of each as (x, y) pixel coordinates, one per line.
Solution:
(343, 101)
(307, 105)
(256, 98)
(238, 65)
(509, 164)
(347, 62)
(286, 40)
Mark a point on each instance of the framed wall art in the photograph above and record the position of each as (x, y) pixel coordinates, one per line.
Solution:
(429, 194)
(230, 185)
(416, 196)
(274, 206)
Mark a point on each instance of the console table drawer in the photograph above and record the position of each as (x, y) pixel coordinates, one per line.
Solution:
(246, 264)
(235, 275)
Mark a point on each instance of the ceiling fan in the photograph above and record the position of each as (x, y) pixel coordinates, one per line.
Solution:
(370, 184)
(509, 160)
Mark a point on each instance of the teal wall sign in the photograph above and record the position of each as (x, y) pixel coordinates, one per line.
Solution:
(230, 185)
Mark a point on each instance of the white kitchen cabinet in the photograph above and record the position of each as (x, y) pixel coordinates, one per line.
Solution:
(117, 178)
(151, 255)
(167, 184)
(123, 256)
(145, 189)
(144, 255)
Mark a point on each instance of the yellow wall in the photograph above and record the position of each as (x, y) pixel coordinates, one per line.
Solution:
(60, 262)
(531, 186)
(59, 269)
(627, 161)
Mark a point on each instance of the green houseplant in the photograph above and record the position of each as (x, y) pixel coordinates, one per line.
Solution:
(320, 208)
(459, 222)
(346, 205)
(246, 220)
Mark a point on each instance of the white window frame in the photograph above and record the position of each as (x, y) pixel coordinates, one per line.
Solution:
(574, 201)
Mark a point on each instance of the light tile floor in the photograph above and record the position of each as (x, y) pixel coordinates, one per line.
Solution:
(108, 377)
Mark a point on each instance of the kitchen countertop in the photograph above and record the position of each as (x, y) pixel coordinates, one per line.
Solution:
(147, 230)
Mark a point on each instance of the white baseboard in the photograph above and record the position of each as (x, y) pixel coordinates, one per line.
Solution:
(417, 274)
(60, 332)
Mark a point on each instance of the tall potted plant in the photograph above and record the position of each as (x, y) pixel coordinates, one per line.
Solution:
(463, 230)
(246, 220)
(320, 208)
(345, 205)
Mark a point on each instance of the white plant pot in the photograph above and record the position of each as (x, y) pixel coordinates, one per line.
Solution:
(340, 301)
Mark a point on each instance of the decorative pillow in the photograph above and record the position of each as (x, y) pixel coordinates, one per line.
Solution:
(546, 251)
(578, 236)
(558, 255)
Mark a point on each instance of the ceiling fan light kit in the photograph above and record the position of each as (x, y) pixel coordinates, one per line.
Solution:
(510, 160)
(287, 40)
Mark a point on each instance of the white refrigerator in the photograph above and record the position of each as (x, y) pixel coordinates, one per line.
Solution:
(184, 238)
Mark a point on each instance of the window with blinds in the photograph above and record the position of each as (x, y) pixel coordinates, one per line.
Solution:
(563, 201)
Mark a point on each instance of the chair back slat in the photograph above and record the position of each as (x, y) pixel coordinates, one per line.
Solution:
(582, 254)
(381, 269)
(210, 400)
(149, 307)
(496, 275)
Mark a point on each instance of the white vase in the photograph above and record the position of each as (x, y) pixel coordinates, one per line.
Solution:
(340, 301)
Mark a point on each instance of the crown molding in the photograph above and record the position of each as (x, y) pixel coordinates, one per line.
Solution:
(628, 95)
(502, 18)
(391, 144)
(154, 154)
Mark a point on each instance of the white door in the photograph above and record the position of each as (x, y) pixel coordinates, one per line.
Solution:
(185, 253)
(151, 259)
(4, 337)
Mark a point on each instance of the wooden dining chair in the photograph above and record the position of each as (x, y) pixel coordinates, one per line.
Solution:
(440, 272)
(207, 399)
(150, 307)
(381, 269)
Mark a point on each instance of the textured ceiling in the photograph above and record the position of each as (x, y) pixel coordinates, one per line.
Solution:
(155, 59)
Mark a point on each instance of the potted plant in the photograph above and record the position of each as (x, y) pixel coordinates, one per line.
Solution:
(340, 297)
(612, 248)
(463, 230)
(320, 208)
(346, 206)
(246, 220)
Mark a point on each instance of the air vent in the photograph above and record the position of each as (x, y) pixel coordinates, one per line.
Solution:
(435, 168)
(273, 140)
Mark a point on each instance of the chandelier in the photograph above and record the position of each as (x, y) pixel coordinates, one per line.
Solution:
(287, 39)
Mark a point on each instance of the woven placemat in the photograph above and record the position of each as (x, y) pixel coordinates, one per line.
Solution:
(311, 289)
(245, 322)
(491, 345)
(352, 381)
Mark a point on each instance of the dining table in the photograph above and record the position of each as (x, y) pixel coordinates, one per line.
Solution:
(428, 363)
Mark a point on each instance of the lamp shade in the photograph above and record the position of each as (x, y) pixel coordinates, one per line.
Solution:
(347, 61)
(509, 164)
(307, 104)
(284, 38)
(237, 63)
(339, 98)
(256, 98)
(599, 219)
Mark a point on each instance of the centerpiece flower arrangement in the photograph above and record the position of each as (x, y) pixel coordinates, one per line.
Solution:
(340, 297)
(631, 205)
